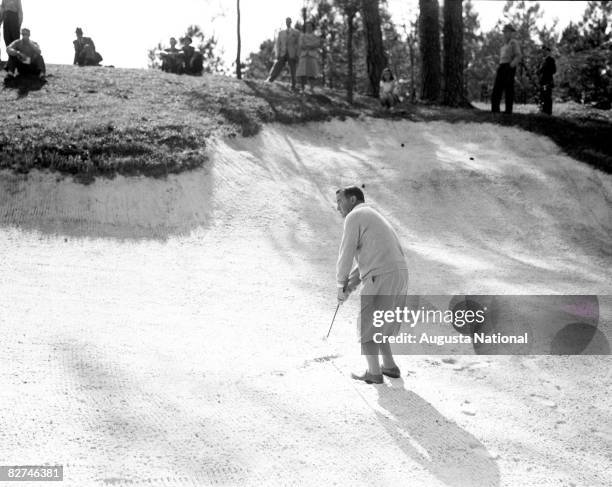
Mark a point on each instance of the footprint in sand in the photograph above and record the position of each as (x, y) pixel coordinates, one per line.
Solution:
(470, 366)
(604, 435)
(467, 408)
(543, 400)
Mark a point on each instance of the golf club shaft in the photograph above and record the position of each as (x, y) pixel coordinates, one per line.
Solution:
(332, 323)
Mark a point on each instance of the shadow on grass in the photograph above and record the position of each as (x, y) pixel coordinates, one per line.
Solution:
(24, 84)
(265, 102)
(112, 137)
(581, 138)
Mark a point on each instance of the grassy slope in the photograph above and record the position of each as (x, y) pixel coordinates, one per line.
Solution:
(103, 121)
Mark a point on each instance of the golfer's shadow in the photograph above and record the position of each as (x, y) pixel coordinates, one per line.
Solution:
(24, 84)
(442, 447)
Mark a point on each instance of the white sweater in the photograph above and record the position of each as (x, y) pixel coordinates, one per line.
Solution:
(371, 242)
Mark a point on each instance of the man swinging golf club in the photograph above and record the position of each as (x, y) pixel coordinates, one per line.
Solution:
(370, 242)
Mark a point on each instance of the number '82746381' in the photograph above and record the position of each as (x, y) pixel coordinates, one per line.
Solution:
(31, 473)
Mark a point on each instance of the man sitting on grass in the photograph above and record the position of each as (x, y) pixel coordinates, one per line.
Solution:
(25, 57)
(171, 59)
(85, 53)
(192, 59)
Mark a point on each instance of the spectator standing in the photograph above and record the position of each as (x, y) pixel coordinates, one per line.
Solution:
(85, 50)
(546, 71)
(308, 48)
(286, 51)
(25, 57)
(509, 58)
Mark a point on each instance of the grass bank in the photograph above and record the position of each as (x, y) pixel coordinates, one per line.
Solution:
(102, 121)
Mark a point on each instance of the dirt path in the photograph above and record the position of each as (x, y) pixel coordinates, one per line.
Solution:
(168, 332)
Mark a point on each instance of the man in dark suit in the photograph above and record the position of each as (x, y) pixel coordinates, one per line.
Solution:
(546, 72)
(509, 58)
(286, 50)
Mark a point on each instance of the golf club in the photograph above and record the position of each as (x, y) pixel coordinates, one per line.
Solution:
(332, 322)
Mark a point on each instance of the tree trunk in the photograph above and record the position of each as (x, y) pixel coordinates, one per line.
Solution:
(350, 20)
(238, 64)
(376, 59)
(429, 35)
(323, 53)
(454, 87)
(332, 65)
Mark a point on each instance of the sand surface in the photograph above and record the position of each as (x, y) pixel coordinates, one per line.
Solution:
(168, 332)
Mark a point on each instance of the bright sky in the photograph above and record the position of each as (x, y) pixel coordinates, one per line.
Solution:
(123, 30)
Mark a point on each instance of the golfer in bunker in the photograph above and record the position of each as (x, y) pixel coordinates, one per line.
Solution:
(371, 254)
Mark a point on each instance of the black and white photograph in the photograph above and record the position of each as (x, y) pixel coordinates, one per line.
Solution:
(306, 243)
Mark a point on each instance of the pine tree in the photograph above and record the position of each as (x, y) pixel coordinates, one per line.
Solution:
(238, 63)
(454, 89)
(376, 59)
(429, 36)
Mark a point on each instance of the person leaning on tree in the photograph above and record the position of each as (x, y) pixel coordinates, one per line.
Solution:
(509, 58)
(546, 72)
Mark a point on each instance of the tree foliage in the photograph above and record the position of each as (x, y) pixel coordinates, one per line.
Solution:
(583, 51)
(585, 67)
(331, 24)
(259, 64)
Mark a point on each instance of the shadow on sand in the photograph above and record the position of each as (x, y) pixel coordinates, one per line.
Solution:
(124, 208)
(447, 451)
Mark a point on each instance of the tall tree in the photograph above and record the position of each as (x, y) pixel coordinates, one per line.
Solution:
(376, 59)
(429, 35)
(349, 9)
(472, 43)
(411, 43)
(238, 63)
(454, 88)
